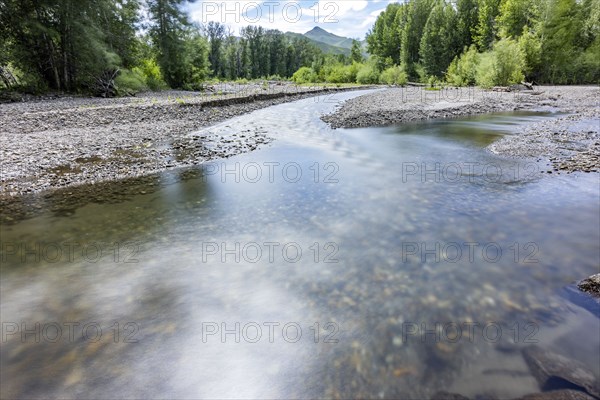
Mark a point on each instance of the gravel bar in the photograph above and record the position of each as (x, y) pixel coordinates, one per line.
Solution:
(568, 143)
(69, 141)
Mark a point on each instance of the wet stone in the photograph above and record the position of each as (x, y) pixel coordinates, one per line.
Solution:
(554, 371)
(591, 286)
(558, 395)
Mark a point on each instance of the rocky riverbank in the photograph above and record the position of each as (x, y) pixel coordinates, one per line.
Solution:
(64, 142)
(569, 143)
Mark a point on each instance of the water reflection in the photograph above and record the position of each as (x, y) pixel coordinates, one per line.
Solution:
(378, 267)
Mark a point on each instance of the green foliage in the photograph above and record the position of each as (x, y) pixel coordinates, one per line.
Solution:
(216, 34)
(502, 66)
(589, 64)
(196, 58)
(338, 74)
(168, 28)
(531, 48)
(562, 43)
(356, 52)
(486, 75)
(420, 73)
(304, 75)
(67, 44)
(394, 76)
(513, 17)
(440, 40)
(486, 28)
(384, 39)
(129, 82)
(467, 16)
(150, 70)
(463, 69)
(417, 15)
(367, 75)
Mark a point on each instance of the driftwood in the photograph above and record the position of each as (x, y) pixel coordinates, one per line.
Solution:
(105, 83)
(527, 85)
(415, 84)
(523, 86)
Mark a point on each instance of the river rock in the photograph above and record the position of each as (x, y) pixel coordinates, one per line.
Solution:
(558, 395)
(554, 371)
(591, 286)
(585, 294)
(448, 396)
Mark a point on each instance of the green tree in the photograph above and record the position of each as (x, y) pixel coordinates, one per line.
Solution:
(463, 70)
(384, 39)
(168, 27)
(440, 41)
(562, 36)
(514, 16)
(216, 34)
(416, 18)
(467, 16)
(68, 44)
(485, 30)
(531, 47)
(356, 52)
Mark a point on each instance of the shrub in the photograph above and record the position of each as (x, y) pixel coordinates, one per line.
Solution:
(531, 48)
(128, 82)
(509, 62)
(588, 64)
(502, 66)
(367, 74)
(485, 75)
(336, 74)
(152, 74)
(463, 69)
(304, 75)
(353, 71)
(394, 76)
(421, 72)
(343, 73)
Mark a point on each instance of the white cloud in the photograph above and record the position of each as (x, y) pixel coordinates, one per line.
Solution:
(350, 18)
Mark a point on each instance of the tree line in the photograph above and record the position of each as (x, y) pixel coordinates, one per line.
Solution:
(79, 45)
(72, 45)
(490, 42)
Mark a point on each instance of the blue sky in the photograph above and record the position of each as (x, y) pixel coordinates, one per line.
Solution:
(350, 18)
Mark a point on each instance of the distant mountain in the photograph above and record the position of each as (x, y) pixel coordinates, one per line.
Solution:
(326, 41)
(321, 35)
(325, 48)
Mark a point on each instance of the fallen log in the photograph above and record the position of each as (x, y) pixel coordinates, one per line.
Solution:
(415, 84)
(527, 85)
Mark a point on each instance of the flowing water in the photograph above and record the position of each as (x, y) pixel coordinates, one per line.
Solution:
(381, 262)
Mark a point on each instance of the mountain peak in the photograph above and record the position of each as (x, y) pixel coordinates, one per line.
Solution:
(317, 29)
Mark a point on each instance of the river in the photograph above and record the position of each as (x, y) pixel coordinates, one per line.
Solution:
(378, 262)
